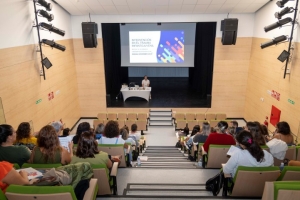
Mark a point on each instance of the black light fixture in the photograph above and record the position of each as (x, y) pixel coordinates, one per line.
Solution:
(54, 44)
(274, 41)
(281, 3)
(284, 11)
(52, 28)
(46, 62)
(48, 16)
(278, 24)
(283, 56)
(158, 23)
(44, 3)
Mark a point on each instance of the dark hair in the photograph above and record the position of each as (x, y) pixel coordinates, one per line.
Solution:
(231, 131)
(99, 129)
(5, 131)
(264, 130)
(133, 127)
(245, 138)
(66, 132)
(222, 125)
(197, 127)
(186, 130)
(126, 127)
(111, 129)
(194, 131)
(83, 126)
(283, 128)
(255, 129)
(48, 139)
(235, 123)
(87, 145)
(23, 131)
(124, 133)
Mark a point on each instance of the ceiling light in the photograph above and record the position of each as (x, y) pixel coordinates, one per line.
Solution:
(48, 16)
(51, 28)
(278, 24)
(281, 3)
(284, 11)
(274, 41)
(48, 6)
(54, 44)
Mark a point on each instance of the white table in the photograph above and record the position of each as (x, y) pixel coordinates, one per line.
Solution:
(136, 92)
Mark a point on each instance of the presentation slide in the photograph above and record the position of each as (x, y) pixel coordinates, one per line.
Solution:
(156, 46)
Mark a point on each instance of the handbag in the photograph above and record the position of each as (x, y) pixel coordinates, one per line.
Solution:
(215, 183)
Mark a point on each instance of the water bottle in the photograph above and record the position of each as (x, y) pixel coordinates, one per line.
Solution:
(281, 166)
(200, 163)
(138, 161)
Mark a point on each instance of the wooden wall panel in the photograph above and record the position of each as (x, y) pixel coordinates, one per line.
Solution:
(21, 85)
(229, 80)
(265, 74)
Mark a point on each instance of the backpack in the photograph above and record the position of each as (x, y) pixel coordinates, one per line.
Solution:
(215, 183)
(178, 145)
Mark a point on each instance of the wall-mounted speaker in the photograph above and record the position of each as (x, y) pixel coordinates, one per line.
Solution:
(229, 27)
(89, 34)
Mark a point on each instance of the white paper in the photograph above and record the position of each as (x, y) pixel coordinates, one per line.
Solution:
(32, 173)
(233, 150)
(64, 141)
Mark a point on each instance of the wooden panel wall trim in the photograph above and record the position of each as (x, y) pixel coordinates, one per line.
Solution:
(266, 74)
(21, 85)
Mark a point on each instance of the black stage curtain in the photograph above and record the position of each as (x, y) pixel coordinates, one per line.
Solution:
(200, 76)
(115, 75)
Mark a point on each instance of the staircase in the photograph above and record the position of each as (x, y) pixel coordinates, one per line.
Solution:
(160, 117)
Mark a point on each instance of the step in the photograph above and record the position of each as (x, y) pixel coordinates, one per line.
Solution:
(167, 166)
(187, 163)
(165, 186)
(159, 114)
(160, 123)
(166, 155)
(160, 110)
(170, 192)
(162, 118)
(164, 147)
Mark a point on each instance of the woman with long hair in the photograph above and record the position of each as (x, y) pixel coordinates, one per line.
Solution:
(48, 149)
(283, 132)
(9, 152)
(87, 151)
(250, 154)
(202, 136)
(255, 129)
(83, 126)
(24, 135)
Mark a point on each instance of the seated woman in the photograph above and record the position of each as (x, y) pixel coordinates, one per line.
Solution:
(219, 137)
(8, 175)
(202, 136)
(9, 152)
(189, 140)
(87, 151)
(265, 132)
(250, 154)
(99, 131)
(83, 126)
(48, 149)
(255, 129)
(283, 132)
(24, 136)
(134, 132)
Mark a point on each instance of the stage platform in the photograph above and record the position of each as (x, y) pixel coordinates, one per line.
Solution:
(166, 93)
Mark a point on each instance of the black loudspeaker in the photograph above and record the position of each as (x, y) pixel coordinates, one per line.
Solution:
(89, 34)
(108, 100)
(229, 27)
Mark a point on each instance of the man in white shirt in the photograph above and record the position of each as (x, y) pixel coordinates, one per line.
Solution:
(146, 83)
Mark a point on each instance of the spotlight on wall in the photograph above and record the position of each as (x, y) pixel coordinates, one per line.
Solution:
(48, 6)
(48, 16)
(159, 24)
(53, 29)
(283, 56)
(278, 24)
(54, 44)
(46, 62)
(281, 3)
(284, 11)
(274, 41)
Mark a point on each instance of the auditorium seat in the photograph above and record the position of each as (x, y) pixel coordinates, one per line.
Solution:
(131, 116)
(96, 122)
(121, 122)
(128, 123)
(216, 155)
(112, 116)
(250, 176)
(192, 123)
(210, 116)
(180, 116)
(221, 116)
(115, 150)
(41, 166)
(281, 190)
(213, 123)
(180, 124)
(298, 153)
(200, 116)
(290, 154)
(290, 173)
(102, 116)
(142, 116)
(141, 125)
(122, 116)
(190, 116)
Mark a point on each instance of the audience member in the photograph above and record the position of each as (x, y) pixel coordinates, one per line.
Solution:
(58, 126)
(9, 152)
(83, 126)
(8, 175)
(48, 149)
(265, 132)
(255, 129)
(87, 151)
(99, 131)
(24, 135)
(66, 132)
(125, 136)
(220, 137)
(283, 132)
(189, 140)
(235, 124)
(134, 132)
(202, 136)
(251, 154)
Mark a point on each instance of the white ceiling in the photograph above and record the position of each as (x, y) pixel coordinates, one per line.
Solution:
(160, 7)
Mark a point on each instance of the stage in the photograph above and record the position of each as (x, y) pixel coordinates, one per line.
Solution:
(166, 93)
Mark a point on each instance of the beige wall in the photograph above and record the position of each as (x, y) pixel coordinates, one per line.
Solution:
(229, 80)
(266, 73)
(21, 86)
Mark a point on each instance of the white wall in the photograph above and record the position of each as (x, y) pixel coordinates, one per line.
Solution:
(16, 20)
(265, 17)
(245, 27)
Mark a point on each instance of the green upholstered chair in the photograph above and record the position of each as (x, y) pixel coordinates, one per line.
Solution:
(115, 150)
(289, 173)
(281, 190)
(216, 155)
(41, 166)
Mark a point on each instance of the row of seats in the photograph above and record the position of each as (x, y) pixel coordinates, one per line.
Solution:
(141, 124)
(122, 116)
(181, 124)
(200, 116)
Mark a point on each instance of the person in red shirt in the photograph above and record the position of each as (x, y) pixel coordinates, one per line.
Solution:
(8, 175)
(220, 137)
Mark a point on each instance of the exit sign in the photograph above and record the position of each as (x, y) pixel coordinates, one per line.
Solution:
(38, 101)
(291, 101)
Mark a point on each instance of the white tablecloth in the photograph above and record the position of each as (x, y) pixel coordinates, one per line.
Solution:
(136, 92)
